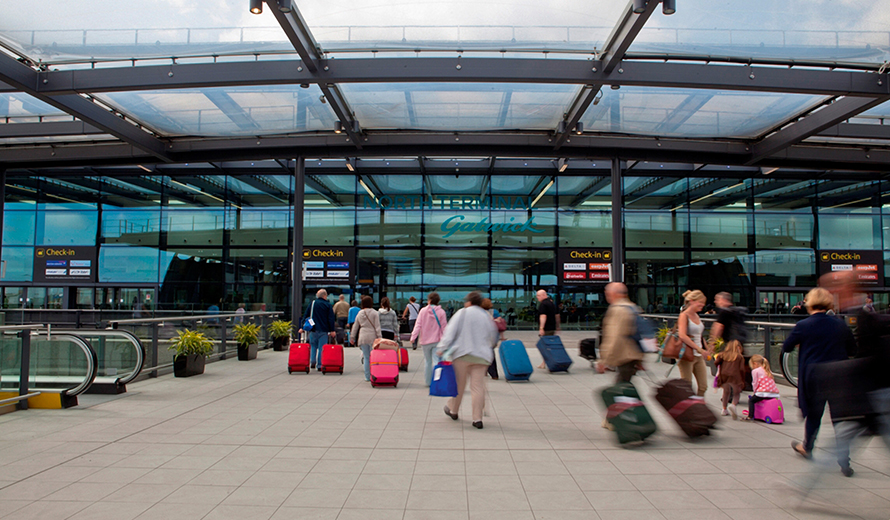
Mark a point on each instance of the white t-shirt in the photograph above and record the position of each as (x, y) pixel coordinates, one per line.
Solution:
(413, 309)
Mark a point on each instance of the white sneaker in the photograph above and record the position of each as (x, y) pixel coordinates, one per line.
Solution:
(724, 412)
(735, 416)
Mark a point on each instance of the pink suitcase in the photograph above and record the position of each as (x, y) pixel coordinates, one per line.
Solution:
(384, 368)
(770, 411)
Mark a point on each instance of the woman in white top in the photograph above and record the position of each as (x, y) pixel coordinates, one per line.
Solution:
(410, 313)
(690, 328)
(389, 321)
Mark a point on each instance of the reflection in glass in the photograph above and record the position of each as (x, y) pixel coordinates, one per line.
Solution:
(463, 267)
(849, 232)
(786, 268)
(18, 228)
(125, 264)
(781, 230)
(194, 227)
(17, 264)
(655, 229)
(523, 267)
(585, 228)
(330, 228)
(67, 228)
(388, 227)
(258, 227)
(137, 227)
(718, 229)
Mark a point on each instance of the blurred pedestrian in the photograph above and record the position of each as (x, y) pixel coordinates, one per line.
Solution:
(731, 376)
(428, 330)
(618, 348)
(410, 313)
(468, 340)
(341, 311)
(493, 367)
(548, 317)
(690, 329)
(821, 339)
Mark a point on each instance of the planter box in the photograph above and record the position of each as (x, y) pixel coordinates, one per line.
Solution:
(280, 344)
(189, 365)
(246, 353)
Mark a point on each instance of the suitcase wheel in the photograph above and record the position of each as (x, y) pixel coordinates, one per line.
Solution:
(323, 371)
(341, 371)
(290, 370)
(307, 370)
(769, 420)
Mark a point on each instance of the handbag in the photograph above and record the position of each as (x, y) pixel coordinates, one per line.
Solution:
(308, 323)
(444, 383)
(674, 348)
(501, 324)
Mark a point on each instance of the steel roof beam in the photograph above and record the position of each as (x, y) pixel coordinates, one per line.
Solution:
(472, 70)
(297, 31)
(23, 77)
(590, 190)
(231, 109)
(811, 124)
(54, 129)
(857, 131)
(347, 119)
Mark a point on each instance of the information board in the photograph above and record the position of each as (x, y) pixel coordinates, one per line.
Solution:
(334, 265)
(868, 266)
(59, 264)
(583, 266)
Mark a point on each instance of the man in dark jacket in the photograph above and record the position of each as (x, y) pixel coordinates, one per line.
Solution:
(322, 314)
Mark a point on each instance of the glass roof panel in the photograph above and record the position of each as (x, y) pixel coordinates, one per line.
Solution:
(882, 110)
(461, 24)
(693, 113)
(25, 108)
(456, 106)
(807, 30)
(61, 30)
(227, 111)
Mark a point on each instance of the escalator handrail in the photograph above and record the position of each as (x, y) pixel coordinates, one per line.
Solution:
(92, 360)
(140, 350)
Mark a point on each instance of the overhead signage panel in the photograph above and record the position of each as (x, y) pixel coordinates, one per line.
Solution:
(63, 264)
(581, 266)
(865, 266)
(328, 265)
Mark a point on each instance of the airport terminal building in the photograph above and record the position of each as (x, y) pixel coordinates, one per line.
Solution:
(155, 168)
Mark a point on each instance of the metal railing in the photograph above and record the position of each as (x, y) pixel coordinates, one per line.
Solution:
(49, 366)
(156, 333)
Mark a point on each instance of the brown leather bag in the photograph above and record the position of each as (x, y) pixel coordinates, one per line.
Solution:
(674, 348)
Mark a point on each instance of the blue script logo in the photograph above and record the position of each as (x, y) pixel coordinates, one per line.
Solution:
(454, 225)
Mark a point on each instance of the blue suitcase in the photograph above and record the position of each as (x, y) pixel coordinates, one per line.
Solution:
(554, 354)
(514, 360)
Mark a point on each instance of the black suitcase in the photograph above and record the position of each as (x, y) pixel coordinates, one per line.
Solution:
(588, 349)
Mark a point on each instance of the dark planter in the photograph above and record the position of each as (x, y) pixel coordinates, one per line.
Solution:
(188, 365)
(279, 344)
(247, 352)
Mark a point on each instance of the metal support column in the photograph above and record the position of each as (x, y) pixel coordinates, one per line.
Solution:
(2, 210)
(155, 333)
(617, 222)
(297, 284)
(25, 371)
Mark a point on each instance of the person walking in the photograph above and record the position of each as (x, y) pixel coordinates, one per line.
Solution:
(341, 311)
(389, 320)
(730, 324)
(488, 306)
(469, 341)
(322, 314)
(821, 339)
(410, 314)
(365, 330)
(428, 330)
(731, 377)
(618, 348)
(353, 312)
(548, 317)
(690, 329)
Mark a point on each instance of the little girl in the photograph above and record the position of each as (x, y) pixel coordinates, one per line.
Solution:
(732, 375)
(762, 382)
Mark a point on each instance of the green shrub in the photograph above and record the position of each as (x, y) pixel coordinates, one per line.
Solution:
(281, 329)
(247, 334)
(191, 342)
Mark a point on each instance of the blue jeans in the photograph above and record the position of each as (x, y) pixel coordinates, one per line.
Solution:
(429, 352)
(316, 340)
(366, 360)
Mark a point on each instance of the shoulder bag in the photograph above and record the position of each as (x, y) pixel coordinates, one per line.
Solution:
(674, 348)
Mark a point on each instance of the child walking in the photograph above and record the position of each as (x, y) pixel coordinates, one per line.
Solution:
(763, 384)
(732, 376)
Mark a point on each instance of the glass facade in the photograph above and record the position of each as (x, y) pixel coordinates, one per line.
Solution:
(215, 238)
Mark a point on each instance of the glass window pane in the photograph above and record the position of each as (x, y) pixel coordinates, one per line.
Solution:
(523, 267)
(783, 230)
(258, 227)
(260, 265)
(67, 228)
(795, 268)
(462, 228)
(136, 227)
(128, 264)
(655, 229)
(459, 106)
(586, 193)
(693, 113)
(332, 228)
(580, 228)
(18, 228)
(463, 267)
(715, 271)
(57, 30)
(382, 267)
(334, 192)
(523, 228)
(193, 227)
(388, 227)
(22, 108)
(13, 298)
(849, 232)
(227, 111)
(663, 193)
(718, 229)
(663, 268)
(17, 264)
(760, 29)
(438, 24)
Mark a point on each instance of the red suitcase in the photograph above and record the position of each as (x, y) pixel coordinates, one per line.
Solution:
(331, 358)
(403, 359)
(384, 368)
(298, 358)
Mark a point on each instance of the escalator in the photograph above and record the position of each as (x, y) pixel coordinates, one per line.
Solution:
(120, 358)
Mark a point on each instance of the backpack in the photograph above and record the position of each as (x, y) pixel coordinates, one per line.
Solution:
(644, 335)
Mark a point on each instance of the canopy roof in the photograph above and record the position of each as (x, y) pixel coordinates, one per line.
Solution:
(792, 84)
